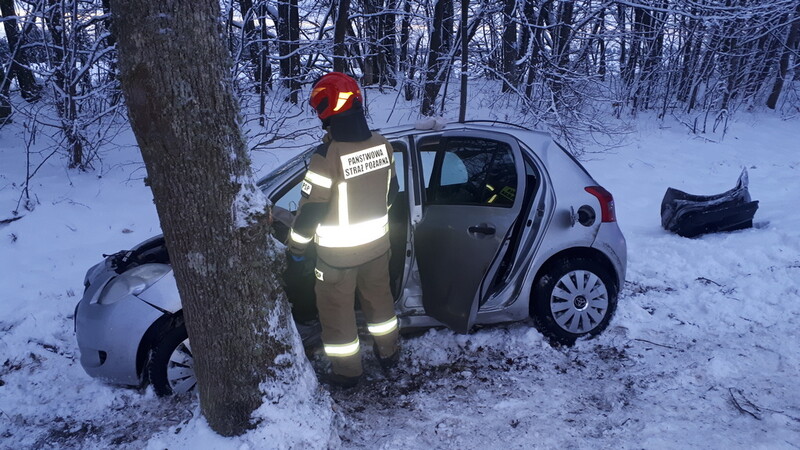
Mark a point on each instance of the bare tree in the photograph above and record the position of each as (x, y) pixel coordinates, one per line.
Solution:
(339, 34)
(18, 67)
(5, 101)
(289, 46)
(175, 73)
(509, 47)
(462, 110)
(792, 40)
(378, 42)
(441, 38)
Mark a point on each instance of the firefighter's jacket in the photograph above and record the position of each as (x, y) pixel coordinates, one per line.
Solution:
(346, 195)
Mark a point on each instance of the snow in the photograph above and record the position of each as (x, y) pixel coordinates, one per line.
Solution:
(702, 353)
(248, 204)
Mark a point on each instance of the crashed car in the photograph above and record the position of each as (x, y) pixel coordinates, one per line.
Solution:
(493, 223)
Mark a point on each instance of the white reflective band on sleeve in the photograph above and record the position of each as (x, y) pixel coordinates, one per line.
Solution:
(298, 238)
(344, 214)
(342, 349)
(380, 329)
(352, 235)
(318, 179)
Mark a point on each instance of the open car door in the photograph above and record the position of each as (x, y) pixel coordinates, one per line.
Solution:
(474, 185)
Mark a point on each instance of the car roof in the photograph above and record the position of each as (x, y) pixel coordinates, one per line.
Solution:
(554, 156)
(538, 141)
(517, 130)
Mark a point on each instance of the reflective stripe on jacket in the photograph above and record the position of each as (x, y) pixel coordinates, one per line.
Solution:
(344, 204)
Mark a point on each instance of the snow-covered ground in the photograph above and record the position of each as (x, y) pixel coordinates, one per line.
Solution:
(702, 353)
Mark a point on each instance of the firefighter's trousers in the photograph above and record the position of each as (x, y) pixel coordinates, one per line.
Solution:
(335, 290)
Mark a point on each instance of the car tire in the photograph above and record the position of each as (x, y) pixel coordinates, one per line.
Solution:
(574, 297)
(170, 369)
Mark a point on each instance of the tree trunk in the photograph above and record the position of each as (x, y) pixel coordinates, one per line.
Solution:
(5, 101)
(601, 46)
(252, 42)
(627, 50)
(264, 61)
(175, 74)
(339, 35)
(509, 46)
(441, 37)
(561, 51)
(462, 112)
(28, 87)
(111, 41)
(405, 36)
(65, 92)
(537, 46)
(289, 38)
(783, 65)
(370, 43)
(388, 44)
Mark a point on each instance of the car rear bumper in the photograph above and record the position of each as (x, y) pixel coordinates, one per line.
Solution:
(611, 242)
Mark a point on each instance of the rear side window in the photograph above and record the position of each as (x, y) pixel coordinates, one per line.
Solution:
(470, 171)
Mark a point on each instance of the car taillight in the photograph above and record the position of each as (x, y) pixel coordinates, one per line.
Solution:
(606, 202)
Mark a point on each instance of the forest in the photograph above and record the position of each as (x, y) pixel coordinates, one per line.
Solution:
(647, 94)
(566, 65)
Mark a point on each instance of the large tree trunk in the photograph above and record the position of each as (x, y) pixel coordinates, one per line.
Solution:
(175, 74)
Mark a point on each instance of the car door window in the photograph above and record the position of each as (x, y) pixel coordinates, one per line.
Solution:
(290, 198)
(472, 171)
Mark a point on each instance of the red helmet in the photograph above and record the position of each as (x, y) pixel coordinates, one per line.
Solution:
(334, 93)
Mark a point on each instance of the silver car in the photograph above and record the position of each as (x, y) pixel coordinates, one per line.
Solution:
(493, 223)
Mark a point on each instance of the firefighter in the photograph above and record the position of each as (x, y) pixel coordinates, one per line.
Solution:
(346, 194)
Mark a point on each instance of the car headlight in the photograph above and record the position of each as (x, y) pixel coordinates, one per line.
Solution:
(134, 281)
